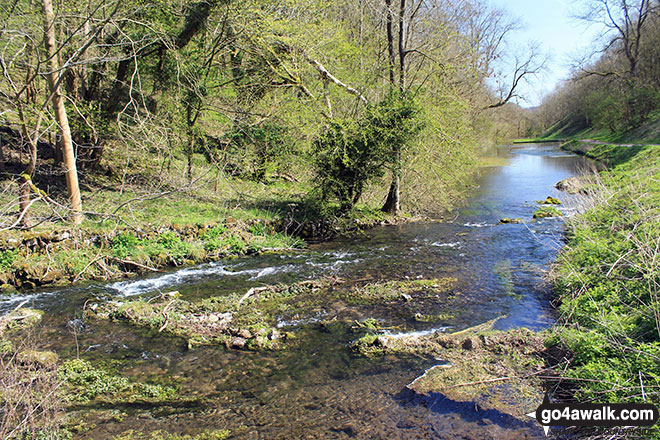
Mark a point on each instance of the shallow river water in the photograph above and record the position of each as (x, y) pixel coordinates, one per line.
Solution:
(320, 389)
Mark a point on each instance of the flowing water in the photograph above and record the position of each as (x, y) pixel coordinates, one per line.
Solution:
(319, 388)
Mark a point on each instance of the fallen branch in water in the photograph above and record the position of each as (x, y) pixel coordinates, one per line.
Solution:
(166, 316)
(251, 292)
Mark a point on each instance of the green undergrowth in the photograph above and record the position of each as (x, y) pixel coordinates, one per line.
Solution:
(567, 129)
(45, 257)
(608, 280)
(42, 258)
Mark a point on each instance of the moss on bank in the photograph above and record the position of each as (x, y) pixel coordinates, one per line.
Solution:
(59, 257)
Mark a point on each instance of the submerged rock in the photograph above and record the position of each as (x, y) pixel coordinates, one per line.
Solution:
(507, 220)
(274, 335)
(41, 358)
(237, 342)
(493, 369)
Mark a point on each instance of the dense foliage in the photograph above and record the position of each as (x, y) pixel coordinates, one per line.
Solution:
(352, 153)
(165, 94)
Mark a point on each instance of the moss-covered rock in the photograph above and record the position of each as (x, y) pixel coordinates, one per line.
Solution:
(83, 382)
(549, 201)
(547, 211)
(41, 358)
(574, 185)
(238, 321)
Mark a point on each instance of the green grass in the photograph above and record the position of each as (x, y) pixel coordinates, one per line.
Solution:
(608, 281)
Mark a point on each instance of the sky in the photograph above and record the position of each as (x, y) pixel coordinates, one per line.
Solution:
(560, 36)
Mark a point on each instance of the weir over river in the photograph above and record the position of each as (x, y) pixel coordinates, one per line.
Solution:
(319, 388)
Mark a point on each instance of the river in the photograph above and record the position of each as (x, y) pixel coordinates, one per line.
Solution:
(320, 389)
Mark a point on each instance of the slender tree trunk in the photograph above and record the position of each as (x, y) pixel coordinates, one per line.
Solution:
(71, 172)
(25, 182)
(390, 40)
(402, 50)
(326, 95)
(191, 149)
(393, 202)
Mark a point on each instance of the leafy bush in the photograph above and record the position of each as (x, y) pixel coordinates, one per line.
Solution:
(124, 244)
(351, 153)
(169, 240)
(214, 232)
(254, 150)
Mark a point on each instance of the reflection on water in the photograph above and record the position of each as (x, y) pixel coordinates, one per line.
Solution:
(319, 389)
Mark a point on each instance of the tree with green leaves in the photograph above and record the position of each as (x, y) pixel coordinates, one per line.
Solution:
(353, 153)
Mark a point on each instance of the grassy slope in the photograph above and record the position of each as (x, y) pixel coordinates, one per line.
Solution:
(648, 133)
(608, 280)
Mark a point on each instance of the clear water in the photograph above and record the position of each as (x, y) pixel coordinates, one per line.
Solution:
(319, 389)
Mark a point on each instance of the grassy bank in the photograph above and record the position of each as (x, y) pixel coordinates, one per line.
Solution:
(608, 278)
(140, 230)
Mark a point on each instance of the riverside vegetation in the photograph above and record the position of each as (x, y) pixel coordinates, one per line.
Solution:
(146, 135)
(232, 116)
(183, 133)
(607, 281)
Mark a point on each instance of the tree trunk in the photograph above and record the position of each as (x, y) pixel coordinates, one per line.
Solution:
(390, 40)
(392, 204)
(189, 153)
(71, 172)
(25, 182)
(402, 50)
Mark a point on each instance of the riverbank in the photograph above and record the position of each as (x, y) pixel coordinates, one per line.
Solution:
(167, 232)
(295, 338)
(607, 281)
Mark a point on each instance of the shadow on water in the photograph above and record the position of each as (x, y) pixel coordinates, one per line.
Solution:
(468, 411)
(318, 388)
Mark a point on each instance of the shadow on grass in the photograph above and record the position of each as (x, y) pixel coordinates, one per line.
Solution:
(614, 155)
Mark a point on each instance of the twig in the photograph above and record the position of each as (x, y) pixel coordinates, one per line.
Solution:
(77, 277)
(501, 379)
(251, 292)
(166, 316)
(133, 263)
